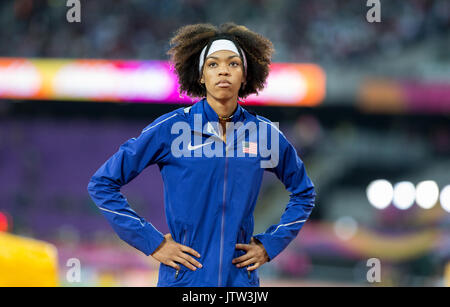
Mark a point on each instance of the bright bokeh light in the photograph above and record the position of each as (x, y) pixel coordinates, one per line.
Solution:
(3, 222)
(150, 81)
(445, 198)
(19, 78)
(380, 193)
(427, 194)
(345, 228)
(404, 195)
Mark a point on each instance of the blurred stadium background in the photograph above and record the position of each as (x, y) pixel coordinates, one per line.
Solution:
(367, 106)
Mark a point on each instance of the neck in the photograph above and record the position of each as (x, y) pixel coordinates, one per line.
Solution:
(223, 107)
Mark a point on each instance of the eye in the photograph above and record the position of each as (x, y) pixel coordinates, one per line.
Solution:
(212, 64)
(234, 64)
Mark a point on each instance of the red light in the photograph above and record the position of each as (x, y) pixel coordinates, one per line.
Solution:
(3, 222)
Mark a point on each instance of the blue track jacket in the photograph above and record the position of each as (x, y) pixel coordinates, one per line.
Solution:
(210, 190)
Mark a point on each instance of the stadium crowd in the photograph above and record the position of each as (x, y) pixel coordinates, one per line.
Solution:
(319, 31)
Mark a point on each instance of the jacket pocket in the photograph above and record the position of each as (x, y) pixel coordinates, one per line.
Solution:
(251, 275)
(240, 240)
(184, 240)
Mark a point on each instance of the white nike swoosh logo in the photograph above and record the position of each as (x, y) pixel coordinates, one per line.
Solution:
(190, 147)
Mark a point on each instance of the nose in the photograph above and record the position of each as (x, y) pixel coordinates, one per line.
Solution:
(224, 70)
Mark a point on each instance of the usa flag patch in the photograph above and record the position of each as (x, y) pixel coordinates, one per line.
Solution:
(249, 147)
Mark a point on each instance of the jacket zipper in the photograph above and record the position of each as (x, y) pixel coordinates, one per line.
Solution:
(223, 220)
(184, 243)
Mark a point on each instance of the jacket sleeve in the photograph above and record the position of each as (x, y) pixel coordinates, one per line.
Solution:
(104, 188)
(291, 171)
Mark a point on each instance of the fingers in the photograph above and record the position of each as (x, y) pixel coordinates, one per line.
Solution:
(189, 250)
(185, 259)
(173, 254)
(245, 247)
(185, 262)
(254, 256)
(253, 267)
(242, 258)
(173, 265)
(188, 261)
(251, 260)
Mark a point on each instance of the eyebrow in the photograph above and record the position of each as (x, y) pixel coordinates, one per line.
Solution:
(214, 57)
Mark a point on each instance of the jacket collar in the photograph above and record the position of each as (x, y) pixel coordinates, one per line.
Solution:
(209, 117)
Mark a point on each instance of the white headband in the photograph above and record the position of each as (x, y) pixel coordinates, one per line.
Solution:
(221, 44)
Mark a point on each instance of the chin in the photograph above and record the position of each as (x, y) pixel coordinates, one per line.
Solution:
(224, 94)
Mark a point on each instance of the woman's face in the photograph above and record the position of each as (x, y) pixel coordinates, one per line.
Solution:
(223, 74)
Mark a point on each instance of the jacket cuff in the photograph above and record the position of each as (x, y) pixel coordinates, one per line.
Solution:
(272, 245)
(155, 238)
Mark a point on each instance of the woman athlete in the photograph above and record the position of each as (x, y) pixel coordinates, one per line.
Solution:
(212, 171)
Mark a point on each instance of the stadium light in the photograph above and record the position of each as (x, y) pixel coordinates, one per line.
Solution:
(427, 194)
(404, 195)
(445, 198)
(380, 193)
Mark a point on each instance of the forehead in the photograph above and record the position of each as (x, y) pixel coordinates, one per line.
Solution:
(223, 54)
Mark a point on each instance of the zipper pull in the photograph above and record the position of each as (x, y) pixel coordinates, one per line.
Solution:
(176, 273)
(248, 274)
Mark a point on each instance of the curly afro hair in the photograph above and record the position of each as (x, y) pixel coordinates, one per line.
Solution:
(188, 42)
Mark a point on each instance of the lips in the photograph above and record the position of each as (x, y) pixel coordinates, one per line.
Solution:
(223, 83)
